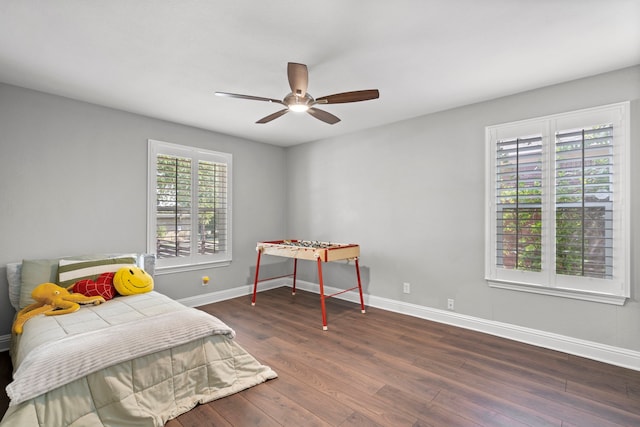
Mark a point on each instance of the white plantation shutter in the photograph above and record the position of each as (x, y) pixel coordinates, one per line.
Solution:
(212, 207)
(557, 205)
(584, 201)
(518, 202)
(173, 206)
(189, 205)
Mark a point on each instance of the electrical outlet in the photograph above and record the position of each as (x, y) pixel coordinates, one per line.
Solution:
(205, 280)
(450, 304)
(406, 288)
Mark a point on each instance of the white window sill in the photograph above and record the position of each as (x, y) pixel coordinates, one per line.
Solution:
(559, 292)
(170, 269)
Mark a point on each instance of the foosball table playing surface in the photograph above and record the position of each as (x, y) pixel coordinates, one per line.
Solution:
(312, 251)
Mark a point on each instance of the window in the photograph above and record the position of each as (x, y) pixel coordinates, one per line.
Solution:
(558, 205)
(189, 207)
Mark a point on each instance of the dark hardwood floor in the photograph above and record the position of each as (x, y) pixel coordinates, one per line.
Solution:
(386, 369)
(5, 379)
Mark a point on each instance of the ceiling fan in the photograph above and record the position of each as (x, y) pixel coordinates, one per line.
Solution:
(299, 100)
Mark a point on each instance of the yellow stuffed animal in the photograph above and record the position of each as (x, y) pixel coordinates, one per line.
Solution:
(132, 280)
(52, 300)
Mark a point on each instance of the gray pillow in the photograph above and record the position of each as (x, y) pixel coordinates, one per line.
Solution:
(14, 278)
(34, 273)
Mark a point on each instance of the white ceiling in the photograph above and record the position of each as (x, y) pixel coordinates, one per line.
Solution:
(166, 58)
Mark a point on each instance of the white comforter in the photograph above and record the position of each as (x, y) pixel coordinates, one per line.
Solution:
(152, 322)
(137, 360)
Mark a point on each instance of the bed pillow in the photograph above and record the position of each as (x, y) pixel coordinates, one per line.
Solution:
(148, 263)
(35, 272)
(70, 271)
(14, 279)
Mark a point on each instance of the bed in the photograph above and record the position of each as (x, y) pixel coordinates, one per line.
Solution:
(136, 360)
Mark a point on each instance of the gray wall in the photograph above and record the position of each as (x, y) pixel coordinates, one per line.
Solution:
(389, 189)
(393, 190)
(73, 180)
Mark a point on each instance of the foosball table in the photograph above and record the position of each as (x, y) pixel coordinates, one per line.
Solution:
(313, 251)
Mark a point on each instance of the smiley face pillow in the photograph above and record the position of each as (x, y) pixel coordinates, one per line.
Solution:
(132, 280)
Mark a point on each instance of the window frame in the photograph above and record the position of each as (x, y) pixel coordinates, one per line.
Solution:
(194, 261)
(613, 291)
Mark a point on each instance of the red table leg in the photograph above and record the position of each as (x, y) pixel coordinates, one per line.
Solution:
(255, 283)
(360, 286)
(322, 306)
(295, 269)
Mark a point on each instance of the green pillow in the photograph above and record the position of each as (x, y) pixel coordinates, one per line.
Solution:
(34, 273)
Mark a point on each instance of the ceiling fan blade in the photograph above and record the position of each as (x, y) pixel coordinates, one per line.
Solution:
(298, 78)
(249, 97)
(354, 96)
(323, 115)
(273, 116)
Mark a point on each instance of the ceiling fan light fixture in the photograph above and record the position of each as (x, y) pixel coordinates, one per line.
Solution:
(298, 104)
(298, 108)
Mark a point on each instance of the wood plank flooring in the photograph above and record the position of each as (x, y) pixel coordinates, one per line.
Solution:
(387, 369)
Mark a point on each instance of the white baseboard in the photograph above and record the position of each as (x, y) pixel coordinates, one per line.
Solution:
(591, 350)
(217, 296)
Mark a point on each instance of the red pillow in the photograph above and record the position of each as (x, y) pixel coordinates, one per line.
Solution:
(103, 286)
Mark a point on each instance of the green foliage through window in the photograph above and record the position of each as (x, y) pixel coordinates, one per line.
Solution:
(175, 227)
(583, 202)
